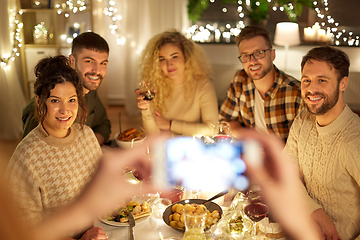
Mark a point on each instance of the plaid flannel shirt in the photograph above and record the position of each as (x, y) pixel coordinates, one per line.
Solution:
(282, 102)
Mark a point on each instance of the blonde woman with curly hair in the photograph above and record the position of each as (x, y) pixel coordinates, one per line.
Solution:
(185, 102)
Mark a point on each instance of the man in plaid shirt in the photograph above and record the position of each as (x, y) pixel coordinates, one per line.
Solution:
(260, 95)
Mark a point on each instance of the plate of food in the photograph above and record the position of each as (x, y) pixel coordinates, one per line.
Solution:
(173, 215)
(120, 218)
(130, 137)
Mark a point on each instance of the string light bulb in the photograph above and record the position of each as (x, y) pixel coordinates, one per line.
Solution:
(321, 9)
(70, 6)
(112, 11)
(15, 26)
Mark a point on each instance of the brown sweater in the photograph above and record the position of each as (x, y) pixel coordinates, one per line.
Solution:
(46, 172)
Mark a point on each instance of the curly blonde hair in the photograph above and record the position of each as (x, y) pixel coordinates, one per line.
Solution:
(196, 66)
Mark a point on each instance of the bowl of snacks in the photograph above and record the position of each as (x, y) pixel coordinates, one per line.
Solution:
(129, 138)
(173, 215)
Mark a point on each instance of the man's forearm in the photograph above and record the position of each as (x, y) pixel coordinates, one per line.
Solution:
(100, 138)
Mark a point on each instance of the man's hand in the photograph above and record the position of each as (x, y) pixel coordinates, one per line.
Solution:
(326, 225)
(94, 233)
(161, 122)
(100, 138)
(280, 183)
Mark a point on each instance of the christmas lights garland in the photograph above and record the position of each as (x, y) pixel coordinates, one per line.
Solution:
(212, 33)
(112, 12)
(15, 27)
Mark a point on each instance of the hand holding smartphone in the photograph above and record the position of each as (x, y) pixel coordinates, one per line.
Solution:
(189, 162)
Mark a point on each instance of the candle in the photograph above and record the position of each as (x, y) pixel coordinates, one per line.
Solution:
(217, 35)
(226, 35)
(316, 28)
(309, 34)
(321, 35)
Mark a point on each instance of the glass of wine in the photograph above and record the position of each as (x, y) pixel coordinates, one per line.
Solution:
(147, 89)
(256, 210)
(222, 132)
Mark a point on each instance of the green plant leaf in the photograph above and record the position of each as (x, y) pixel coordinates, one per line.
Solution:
(195, 9)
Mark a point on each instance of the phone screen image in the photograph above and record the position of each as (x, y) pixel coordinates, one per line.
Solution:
(191, 163)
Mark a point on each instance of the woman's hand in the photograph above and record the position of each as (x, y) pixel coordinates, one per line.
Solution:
(94, 233)
(161, 122)
(141, 103)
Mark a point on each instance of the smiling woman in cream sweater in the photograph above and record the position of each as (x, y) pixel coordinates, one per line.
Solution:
(185, 102)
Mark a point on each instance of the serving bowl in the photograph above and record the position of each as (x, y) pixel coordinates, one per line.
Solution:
(129, 144)
(211, 206)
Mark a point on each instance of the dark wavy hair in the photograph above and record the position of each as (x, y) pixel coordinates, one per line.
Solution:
(91, 41)
(51, 71)
(249, 32)
(333, 56)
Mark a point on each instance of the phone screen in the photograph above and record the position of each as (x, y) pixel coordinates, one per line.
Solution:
(191, 163)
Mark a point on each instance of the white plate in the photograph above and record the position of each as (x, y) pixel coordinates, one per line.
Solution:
(138, 199)
(125, 224)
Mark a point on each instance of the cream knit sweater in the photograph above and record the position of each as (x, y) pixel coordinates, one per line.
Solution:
(46, 172)
(194, 115)
(329, 162)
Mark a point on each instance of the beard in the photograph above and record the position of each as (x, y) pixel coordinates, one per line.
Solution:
(265, 71)
(329, 102)
(87, 84)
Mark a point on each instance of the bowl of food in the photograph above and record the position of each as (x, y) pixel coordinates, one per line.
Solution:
(129, 138)
(173, 215)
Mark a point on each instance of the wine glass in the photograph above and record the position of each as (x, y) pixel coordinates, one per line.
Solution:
(256, 210)
(147, 89)
(222, 132)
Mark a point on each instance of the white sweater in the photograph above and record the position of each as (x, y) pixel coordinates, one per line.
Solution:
(329, 162)
(46, 172)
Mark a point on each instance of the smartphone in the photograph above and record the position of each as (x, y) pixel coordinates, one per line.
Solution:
(191, 163)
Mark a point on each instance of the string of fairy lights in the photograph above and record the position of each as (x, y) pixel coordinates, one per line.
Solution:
(212, 32)
(70, 6)
(15, 26)
(113, 12)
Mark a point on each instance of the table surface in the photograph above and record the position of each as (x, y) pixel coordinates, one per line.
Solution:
(148, 229)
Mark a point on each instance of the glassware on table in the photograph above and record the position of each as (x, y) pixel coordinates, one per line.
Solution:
(194, 220)
(159, 206)
(256, 210)
(177, 194)
(192, 194)
(234, 216)
(222, 132)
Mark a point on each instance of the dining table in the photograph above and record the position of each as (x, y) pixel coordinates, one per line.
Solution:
(148, 229)
(153, 227)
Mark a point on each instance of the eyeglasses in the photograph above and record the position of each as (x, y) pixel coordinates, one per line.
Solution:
(256, 55)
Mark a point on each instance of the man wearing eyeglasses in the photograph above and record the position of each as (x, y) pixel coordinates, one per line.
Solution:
(260, 95)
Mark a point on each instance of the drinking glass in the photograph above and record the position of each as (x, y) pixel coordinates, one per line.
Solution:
(159, 207)
(222, 132)
(147, 89)
(256, 210)
(194, 220)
